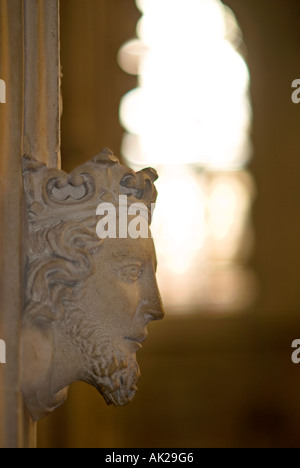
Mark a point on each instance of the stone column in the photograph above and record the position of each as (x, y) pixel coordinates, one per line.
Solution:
(29, 123)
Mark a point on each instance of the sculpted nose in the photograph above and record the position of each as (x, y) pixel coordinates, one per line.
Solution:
(153, 308)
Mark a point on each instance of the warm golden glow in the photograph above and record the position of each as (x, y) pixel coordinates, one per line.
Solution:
(193, 85)
(179, 221)
(190, 117)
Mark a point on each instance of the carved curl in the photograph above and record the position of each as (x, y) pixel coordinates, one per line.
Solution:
(59, 262)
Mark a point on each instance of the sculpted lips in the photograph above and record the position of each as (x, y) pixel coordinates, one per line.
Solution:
(137, 341)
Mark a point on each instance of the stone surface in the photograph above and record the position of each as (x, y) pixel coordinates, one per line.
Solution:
(88, 301)
(29, 121)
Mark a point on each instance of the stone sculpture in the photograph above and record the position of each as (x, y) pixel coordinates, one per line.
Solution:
(88, 300)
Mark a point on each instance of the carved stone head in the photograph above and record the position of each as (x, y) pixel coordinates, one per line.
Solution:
(88, 299)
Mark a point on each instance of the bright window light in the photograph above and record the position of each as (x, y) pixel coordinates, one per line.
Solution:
(190, 117)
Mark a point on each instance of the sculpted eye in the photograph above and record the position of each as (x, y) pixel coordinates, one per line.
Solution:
(131, 273)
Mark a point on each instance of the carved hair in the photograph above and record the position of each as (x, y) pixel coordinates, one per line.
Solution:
(58, 263)
(62, 239)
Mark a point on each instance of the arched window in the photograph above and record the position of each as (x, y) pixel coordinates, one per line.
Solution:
(190, 117)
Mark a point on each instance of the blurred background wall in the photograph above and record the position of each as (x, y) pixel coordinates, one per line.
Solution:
(209, 379)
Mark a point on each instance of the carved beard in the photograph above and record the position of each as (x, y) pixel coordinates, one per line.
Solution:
(108, 364)
(115, 373)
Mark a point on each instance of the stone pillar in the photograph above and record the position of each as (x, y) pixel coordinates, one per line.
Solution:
(29, 123)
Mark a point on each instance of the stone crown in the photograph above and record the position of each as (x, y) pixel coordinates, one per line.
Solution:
(56, 195)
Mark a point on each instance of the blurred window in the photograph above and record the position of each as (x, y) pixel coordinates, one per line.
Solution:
(190, 118)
